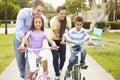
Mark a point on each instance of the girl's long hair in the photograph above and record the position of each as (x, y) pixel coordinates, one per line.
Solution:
(32, 27)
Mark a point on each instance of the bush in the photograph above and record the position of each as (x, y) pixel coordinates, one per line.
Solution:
(86, 25)
(101, 25)
(114, 25)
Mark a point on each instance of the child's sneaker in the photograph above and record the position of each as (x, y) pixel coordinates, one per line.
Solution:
(84, 66)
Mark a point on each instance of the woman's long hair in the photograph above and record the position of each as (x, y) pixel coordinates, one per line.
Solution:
(63, 27)
(63, 22)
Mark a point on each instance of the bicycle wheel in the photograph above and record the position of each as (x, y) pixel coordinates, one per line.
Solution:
(77, 73)
(83, 78)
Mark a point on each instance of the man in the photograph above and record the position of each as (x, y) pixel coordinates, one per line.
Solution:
(23, 22)
(58, 24)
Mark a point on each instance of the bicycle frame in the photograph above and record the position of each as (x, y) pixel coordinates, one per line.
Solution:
(76, 69)
(38, 75)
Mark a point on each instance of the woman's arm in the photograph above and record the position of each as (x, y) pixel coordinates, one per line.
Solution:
(56, 32)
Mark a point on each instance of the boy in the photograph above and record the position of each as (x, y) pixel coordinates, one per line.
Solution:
(76, 35)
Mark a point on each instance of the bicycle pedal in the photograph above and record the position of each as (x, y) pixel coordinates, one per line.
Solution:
(84, 67)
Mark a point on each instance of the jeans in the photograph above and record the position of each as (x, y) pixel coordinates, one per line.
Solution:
(73, 57)
(22, 61)
(61, 53)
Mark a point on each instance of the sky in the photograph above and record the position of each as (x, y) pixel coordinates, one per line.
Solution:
(56, 3)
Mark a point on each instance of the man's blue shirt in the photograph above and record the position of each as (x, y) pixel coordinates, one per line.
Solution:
(23, 22)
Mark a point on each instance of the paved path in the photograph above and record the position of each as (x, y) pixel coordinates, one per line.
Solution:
(94, 71)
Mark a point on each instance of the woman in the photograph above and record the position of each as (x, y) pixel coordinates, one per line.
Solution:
(58, 24)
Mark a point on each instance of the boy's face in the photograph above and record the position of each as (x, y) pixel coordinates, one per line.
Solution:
(78, 24)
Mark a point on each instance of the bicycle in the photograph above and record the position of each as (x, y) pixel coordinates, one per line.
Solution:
(76, 69)
(39, 73)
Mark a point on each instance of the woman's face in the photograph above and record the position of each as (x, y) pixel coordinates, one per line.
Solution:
(62, 14)
(38, 10)
(37, 23)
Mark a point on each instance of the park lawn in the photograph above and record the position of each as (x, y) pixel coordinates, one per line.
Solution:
(109, 56)
(6, 51)
(8, 25)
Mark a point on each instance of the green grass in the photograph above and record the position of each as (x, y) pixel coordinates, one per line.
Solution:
(109, 56)
(6, 51)
(8, 25)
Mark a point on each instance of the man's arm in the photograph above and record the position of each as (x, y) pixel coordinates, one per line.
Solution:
(19, 25)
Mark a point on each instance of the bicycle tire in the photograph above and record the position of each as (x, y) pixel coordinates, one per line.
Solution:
(83, 78)
(65, 78)
(76, 73)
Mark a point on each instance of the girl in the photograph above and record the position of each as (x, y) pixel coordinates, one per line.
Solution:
(35, 37)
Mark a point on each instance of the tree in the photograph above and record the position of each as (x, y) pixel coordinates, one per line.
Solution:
(98, 13)
(21, 3)
(12, 11)
(49, 11)
(101, 14)
(75, 6)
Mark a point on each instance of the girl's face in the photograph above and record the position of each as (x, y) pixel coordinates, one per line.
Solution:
(62, 14)
(78, 24)
(37, 23)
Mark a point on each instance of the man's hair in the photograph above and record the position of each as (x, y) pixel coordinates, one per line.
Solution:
(37, 3)
(79, 18)
(60, 8)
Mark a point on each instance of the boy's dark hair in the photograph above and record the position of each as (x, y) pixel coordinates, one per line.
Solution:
(37, 3)
(63, 22)
(79, 18)
(32, 25)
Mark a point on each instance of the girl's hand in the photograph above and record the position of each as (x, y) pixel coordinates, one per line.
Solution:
(21, 48)
(55, 47)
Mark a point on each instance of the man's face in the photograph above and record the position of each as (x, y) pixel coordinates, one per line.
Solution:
(38, 10)
(62, 14)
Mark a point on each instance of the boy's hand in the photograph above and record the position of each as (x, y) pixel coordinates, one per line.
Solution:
(68, 41)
